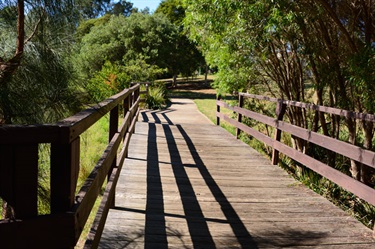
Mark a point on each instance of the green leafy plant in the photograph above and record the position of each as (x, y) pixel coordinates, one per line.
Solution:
(157, 97)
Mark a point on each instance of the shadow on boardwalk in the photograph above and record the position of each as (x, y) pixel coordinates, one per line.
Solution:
(189, 184)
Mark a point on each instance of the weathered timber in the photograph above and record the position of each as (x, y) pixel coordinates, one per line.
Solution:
(189, 184)
(24, 227)
(354, 152)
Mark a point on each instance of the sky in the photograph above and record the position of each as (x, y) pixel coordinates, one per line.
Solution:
(141, 4)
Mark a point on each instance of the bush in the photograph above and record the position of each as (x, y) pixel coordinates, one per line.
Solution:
(110, 80)
(157, 96)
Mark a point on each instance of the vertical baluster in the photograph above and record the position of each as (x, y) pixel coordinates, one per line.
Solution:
(218, 98)
(280, 111)
(113, 129)
(64, 175)
(19, 179)
(239, 117)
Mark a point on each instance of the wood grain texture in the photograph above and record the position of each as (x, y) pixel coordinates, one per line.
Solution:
(189, 184)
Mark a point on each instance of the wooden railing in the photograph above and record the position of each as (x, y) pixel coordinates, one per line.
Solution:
(353, 152)
(69, 211)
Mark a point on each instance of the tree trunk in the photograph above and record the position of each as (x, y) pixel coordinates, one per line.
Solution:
(366, 172)
(206, 74)
(355, 168)
(174, 83)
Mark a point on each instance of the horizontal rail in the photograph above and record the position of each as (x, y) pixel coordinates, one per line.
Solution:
(325, 109)
(69, 212)
(353, 152)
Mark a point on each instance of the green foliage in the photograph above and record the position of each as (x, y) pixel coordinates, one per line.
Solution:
(110, 80)
(186, 57)
(157, 96)
(44, 179)
(43, 89)
(173, 9)
(362, 77)
(85, 26)
(93, 8)
(93, 143)
(122, 7)
(137, 47)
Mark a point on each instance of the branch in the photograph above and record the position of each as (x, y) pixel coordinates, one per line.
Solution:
(34, 31)
(335, 18)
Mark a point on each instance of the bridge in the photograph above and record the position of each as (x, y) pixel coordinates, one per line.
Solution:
(175, 180)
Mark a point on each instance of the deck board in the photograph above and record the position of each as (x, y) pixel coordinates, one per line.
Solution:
(189, 184)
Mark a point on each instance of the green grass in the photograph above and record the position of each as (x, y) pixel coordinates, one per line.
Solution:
(93, 143)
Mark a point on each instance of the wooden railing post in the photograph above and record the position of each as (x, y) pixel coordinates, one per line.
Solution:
(239, 117)
(126, 110)
(218, 110)
(113, 129)
(64, 175)
(19, 179)
(147, 86)
(280, 111)
(126, 105)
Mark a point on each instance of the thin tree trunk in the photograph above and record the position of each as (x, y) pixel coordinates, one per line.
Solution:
(365, 174)
(355, 168)
(206, 74)
(174, 83)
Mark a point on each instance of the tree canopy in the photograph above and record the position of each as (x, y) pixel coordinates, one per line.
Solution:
(280, 47)
(140, 45)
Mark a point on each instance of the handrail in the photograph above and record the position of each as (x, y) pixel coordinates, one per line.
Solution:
(320, 108)
(353, 152)
(69, 212)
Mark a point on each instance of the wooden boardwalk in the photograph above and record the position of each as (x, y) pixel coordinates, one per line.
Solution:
(189, 184)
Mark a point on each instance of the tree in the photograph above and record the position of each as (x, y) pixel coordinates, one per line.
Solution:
(186, 58)
(140, 39)
(93, 8)
(36, 82)
(122, 8)
(287, 44)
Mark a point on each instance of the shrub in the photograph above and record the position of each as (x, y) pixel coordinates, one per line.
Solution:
(157, 96)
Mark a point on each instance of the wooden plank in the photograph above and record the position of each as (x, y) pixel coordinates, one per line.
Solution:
(19, 179)
(182, 173)
(25, 168)
(65, 160)
(96, 230)
(80, 122)
(239, 116)
(46, 231)
(6, 173)
(113, 129)
(324, 109)
(29, 134)
(361, 190)
(348, 150)
(90, 190)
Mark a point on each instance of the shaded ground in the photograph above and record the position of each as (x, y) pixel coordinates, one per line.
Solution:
(195, 89)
